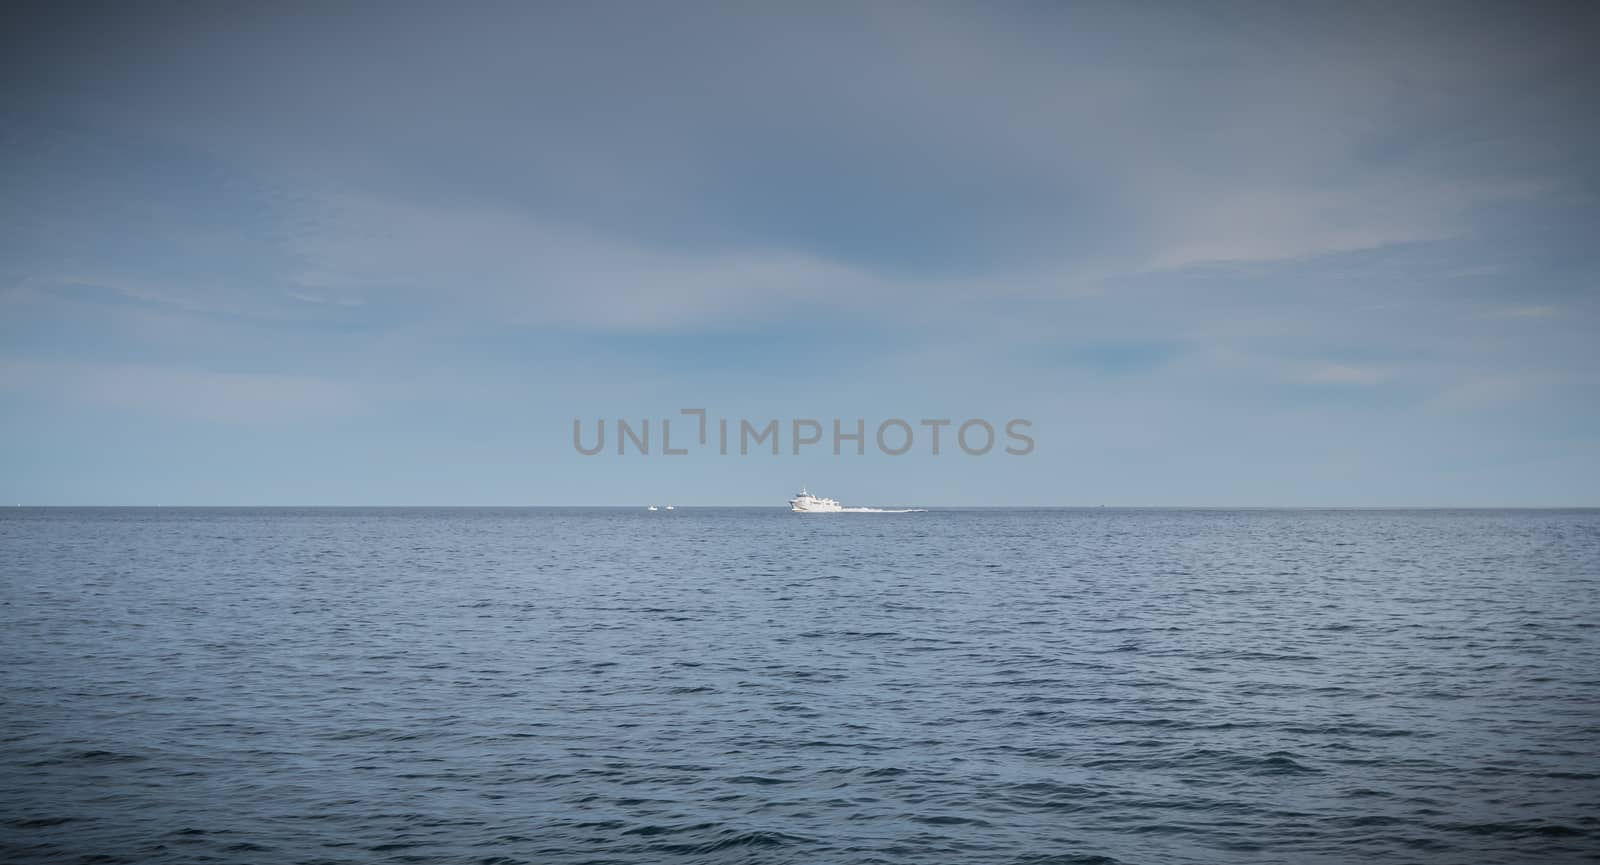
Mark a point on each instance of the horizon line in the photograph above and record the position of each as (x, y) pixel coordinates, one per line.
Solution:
(964, 507)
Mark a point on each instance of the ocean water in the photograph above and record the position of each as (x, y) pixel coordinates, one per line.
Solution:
(751, 686)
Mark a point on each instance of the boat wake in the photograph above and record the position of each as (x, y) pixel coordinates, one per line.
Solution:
(883, 510)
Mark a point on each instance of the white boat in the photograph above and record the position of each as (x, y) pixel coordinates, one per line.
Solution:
(669, 507)
(806, 503)
(651, 508)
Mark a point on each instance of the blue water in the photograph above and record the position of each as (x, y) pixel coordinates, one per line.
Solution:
(751, 686)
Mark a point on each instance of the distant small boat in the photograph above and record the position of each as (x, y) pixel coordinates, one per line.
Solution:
(669, 507)
(652, 508)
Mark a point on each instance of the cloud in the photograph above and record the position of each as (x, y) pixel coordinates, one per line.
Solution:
(1534, 311)
(1336, 373)
(1252, 224)
(529, 270)
(308, 297)
(1075, 175)
(1153, 138)
(233, 398)
(1490, 391)
(133, 292)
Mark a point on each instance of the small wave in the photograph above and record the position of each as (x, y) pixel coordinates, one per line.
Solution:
(742, 839)
(949, 820)
(1068, 859)
(651, 829)
(885, 772)
(40, 822)
(1352, 729)
(90, 756)
(763, 780)
(1519, 829)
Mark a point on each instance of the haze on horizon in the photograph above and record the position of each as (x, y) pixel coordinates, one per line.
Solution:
(1218, 254)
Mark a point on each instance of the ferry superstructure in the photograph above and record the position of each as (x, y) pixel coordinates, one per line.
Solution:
(806, 503)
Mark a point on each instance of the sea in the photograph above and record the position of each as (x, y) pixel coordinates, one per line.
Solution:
(1038, 687)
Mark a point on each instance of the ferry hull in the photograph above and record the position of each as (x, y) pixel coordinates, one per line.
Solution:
(815, 509)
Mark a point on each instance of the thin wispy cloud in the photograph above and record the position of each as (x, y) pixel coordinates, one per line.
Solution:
(1536, 311)
(224, 397)
(1337, 373)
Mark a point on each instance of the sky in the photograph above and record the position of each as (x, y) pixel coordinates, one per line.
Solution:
(1229, 254)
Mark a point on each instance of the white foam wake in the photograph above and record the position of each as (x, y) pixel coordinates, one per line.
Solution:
(882, 510)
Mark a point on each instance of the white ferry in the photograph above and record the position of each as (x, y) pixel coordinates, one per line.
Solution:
(806, 503)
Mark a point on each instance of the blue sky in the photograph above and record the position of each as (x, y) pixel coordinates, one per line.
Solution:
(1218, 254)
